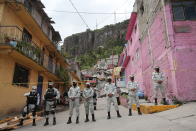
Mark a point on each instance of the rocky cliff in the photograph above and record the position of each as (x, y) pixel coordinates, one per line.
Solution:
(82, 43)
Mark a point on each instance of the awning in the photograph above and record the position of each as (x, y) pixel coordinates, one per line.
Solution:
(117, 71)
(131, 25)
(126, 61)
(121, 59)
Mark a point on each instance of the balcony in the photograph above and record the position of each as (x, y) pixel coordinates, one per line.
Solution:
(12, 36)
(31, 11)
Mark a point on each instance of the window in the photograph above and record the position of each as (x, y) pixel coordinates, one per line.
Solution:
(26, 36)
(137, 56)
(21, 76)
(142, 8)
(50, 63)
(28, 5)
(135, 28)
(184, 10)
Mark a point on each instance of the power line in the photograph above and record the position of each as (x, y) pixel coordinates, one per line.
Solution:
(91, 13)
(122, 5)
(79, 14)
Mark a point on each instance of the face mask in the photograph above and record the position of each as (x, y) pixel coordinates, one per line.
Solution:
(74, 85)
(88, 86)
(157, 70)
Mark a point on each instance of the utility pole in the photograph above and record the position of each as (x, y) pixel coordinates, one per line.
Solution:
(114, 17)
(96, 25)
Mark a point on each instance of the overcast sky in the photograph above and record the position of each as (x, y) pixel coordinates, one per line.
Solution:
(70, 23)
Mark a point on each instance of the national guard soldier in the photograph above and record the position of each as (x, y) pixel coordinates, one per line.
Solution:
(50, 98)
(110, 90)
(158, 79)
(88, 102)
(74, 96)
(33, 100)
(133, 87)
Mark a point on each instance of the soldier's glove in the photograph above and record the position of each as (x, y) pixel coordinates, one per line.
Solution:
(110, 95)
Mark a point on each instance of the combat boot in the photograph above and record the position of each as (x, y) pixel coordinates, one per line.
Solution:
(69, 121)
(21, 122)
(118, 114)
(34, 124)
(87, 120)
(164, 101)
(109, 117)
(54, 121)
(46, 123)
(93, 117)
(156, 103)
(130, 112)
(77, 120)
(139, 112)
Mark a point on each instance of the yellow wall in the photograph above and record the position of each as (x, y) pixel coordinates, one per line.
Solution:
(12, 97)
(1, 11)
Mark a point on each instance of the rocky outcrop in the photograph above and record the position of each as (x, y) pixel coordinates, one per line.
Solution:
(81, 43)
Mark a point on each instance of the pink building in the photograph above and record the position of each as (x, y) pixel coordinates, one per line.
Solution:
(163, 33)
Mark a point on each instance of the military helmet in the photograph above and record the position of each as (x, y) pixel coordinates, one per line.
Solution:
(34, 87)
(156, 67)
(50, 83)
(131, 76)
(87, 83)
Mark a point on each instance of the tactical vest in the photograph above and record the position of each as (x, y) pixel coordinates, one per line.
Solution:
(50, 94)
(32, 98)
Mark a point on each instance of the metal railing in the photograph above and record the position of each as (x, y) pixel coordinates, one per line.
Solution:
(12, 36)
(31, 10)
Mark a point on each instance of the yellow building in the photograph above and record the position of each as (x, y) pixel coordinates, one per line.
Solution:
(28, 52)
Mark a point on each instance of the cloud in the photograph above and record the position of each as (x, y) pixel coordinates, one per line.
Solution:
(69, 24)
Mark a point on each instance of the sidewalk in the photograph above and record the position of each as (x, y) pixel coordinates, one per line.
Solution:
(182, 118)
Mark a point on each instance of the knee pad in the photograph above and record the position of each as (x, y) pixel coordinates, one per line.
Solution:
(34, 113)
(46, 112)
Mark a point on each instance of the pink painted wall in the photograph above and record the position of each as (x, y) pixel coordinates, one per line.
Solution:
(175, 53)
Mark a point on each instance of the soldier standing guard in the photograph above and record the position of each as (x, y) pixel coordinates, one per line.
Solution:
(74, 96)
(158, 79)
(133, 87)
(88, 101)
(33, 100)
(50, 99)
(110, 90)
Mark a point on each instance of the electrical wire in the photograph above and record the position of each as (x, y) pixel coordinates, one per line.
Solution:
(79, 14)
(90, 13)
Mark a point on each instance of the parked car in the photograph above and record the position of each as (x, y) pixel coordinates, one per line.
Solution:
(140, 94)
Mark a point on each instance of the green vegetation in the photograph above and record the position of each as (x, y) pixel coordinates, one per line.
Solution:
(90, 58)
(64, 75)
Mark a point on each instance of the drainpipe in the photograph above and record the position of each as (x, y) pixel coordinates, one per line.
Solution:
(166, 24)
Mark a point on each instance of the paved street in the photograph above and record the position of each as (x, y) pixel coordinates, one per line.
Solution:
(179, 119)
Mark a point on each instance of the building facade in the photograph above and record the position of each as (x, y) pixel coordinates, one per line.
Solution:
(162, 33)
(28, 52)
